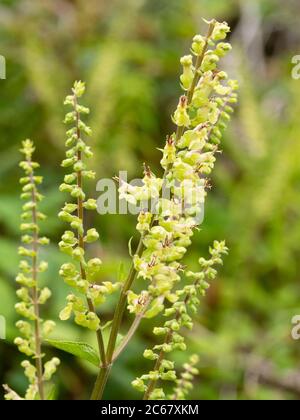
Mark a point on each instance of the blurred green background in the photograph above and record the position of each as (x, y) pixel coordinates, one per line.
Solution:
(128, 53)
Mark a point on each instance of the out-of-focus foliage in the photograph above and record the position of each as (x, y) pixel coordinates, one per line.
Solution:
(127, 52)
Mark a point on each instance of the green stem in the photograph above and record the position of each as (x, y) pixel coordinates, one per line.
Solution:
(118, 316)
(100, 383)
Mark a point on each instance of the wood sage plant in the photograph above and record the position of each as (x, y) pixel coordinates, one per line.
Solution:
(171, 209)
(32, 327)
(165, 234)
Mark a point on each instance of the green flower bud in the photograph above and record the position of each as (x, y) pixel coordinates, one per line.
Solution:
(25, 281)
(68, 162)
(45, 294)
(175, 326)
(29, 226)
(169, 376)
(79, 166)
(27, 239)
(69, 179)
(66, 248)
(89, 174)
(66, 313)
(43, 266)
(198, 44)
(78, 254)
(158, 394)
(154, 375)
(77, 224)
(70, 117)
(91, 236)
(65, 216)
(220, 31)
(167, 365)
(180, 346)
(30, 371)
(23, 346)
(139, 385)
(188, 73)
(87, 130)
(167, 348)
(69, 237)
(50, 368)
(160, 331)
(25, 328)
(26, 311)
(48, 327)
(78, 89)
(24, 266)
(31, 392)
(70, 207)
(65, 188)
(44, 241)
(222, 49)
(90, 204)
(71, 153)
(209, 62)
(68, 269)
(149, 354)
(77, 192)
(181, 117)
(94, 265)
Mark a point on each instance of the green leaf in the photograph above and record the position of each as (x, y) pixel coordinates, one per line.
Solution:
(81, 350)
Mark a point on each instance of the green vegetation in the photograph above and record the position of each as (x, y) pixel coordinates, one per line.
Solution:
(129, 58)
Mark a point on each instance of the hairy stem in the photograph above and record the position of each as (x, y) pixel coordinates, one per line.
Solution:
(134, 326)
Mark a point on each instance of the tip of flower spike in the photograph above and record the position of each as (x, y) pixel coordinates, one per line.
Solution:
(78, 88)
(27, 147)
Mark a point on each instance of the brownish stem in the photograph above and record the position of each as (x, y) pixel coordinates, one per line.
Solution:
(130, 333)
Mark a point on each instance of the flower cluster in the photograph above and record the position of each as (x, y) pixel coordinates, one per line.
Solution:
(167, 227)
(81, 272)
(179, 316)
(32, 327)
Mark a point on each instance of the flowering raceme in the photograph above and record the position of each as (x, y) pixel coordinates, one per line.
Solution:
(32, 327)
(81, 272)
(188, 157)
(170, 209)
